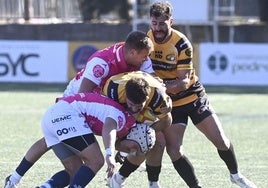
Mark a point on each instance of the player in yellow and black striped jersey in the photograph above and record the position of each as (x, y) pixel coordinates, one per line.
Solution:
(172, 62)
(158, 104)
(171, 57)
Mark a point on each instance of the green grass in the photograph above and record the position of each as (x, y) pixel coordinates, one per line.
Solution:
(243, 115)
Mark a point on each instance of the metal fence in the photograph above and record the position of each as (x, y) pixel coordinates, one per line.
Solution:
(39, 11)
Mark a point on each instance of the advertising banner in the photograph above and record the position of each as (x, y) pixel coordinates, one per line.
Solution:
(234, 64)
(33, 61)
(79, 52)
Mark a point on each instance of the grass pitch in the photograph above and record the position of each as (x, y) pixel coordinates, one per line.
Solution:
(243, 115)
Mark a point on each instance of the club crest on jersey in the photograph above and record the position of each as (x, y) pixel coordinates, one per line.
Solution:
(98, 71)
(170, 57)
(188, 52)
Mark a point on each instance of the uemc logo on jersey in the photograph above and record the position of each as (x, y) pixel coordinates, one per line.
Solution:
(217, 62)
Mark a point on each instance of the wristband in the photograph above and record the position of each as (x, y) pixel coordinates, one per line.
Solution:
(109, 151)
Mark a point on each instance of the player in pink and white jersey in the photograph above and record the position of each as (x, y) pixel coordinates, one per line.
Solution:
(69, 127)
(127, 56)
(121, 57)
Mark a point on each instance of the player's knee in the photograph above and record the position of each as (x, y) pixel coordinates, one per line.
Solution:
(72, 164)
(160, 142)
(95, 164)
(42, 145)
(174, 151)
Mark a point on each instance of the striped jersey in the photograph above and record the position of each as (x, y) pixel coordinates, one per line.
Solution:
(174, 55)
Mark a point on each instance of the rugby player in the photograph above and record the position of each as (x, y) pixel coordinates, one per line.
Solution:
(121, 57)
(172, 62)
(70, 126)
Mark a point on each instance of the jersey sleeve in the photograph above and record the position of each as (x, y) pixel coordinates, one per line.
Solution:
(185, 54)
(160, 100)
(124, 122)
(96, 70)
(147, 66)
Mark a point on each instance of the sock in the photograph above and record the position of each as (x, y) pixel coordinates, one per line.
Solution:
(153, 172)
(236, 176)
(229, 158)
(82, 177)
(124, 154)
(186, 171)
(154, 184)
(23, 167)
(119, 178)
(60, 179)
(15, 178)
(45, 185)
(127, 168)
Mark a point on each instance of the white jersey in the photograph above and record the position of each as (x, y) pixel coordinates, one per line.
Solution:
(82, 114)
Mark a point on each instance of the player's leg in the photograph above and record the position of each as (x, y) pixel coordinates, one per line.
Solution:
(32, 155)
(130, 164)
(154, 160)
(212, 129)
(174, 140)
(82, 159)
(93, 161)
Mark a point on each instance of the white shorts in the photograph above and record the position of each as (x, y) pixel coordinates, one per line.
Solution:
(61, 122)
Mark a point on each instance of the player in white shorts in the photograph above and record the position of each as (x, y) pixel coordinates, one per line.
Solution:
(70, 126)
(121, 57)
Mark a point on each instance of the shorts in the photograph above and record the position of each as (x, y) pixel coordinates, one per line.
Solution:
(72, 146)
(61, 122)
(197, 110)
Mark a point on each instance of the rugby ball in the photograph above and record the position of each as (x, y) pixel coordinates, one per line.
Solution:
(147, 117)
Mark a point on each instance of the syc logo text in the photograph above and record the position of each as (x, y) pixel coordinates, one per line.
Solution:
(11, 66)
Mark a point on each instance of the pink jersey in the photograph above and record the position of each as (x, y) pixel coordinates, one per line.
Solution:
(95, 108)
(102, 65)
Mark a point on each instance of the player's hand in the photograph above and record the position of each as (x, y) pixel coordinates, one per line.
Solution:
(168, 107)
(110, 165)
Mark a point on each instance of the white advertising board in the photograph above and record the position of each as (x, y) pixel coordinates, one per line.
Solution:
(234, 64)
(33, 61)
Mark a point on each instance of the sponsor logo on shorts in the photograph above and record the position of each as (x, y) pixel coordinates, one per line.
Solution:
(66, 130)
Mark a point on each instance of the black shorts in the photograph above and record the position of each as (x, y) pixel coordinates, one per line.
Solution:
(197, 110)
(72, 146)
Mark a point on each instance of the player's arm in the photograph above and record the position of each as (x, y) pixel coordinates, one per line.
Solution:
(147, 66)
(181, 83)
(96, 70)
(109, 138)
(86, 86)
(162, 123)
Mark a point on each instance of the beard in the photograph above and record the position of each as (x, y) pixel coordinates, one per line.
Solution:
(160, 36)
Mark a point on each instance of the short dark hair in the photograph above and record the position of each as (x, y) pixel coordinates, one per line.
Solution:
(138, 40)
(137, 90)
(161, 9)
